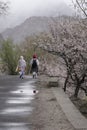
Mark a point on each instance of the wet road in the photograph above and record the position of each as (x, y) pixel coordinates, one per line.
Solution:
(15, 98)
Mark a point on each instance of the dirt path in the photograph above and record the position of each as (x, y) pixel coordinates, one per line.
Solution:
(47, 114)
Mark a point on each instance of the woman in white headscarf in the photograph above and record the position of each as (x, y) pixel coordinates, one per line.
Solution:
(21, 66)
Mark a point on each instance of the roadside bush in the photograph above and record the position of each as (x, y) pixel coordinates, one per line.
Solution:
(9, 56)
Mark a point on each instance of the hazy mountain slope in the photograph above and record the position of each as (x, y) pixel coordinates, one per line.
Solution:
(33, 25)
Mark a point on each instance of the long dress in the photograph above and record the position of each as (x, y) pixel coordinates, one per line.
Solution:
(22, 66)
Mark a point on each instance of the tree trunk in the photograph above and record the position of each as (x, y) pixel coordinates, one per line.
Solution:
(77, 90)
(66, 80)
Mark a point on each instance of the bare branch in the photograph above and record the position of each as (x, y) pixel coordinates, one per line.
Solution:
(3, 7)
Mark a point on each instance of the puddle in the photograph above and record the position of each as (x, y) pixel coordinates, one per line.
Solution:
(17, 106)
(17, 111)
(24, 89)
(23, 92)
(12, 124)
(15, 128)
(19, 100)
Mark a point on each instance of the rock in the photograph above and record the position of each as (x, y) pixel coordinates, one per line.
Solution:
(21, 91)
(34, 91)
(53, 84)
(83, 108)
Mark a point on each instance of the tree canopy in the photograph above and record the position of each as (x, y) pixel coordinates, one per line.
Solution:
(3, 7)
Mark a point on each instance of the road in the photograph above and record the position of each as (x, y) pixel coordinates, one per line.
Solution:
(15, 97)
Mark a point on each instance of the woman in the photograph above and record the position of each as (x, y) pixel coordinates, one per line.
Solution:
(34, 65)
(21, 66)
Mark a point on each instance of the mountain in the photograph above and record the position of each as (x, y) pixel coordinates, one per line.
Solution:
(31, 26)
(34, 25)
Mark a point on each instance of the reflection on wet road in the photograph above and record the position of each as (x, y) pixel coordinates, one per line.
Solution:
(15, 98)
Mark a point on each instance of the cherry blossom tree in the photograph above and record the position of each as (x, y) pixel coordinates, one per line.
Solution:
(67, 39)
(80, 5)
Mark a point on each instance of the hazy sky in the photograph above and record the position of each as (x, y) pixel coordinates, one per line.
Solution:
(19, 10)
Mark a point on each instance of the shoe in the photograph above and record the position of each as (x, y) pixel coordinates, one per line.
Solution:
(20, 76)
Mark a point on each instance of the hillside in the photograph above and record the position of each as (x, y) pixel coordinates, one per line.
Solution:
(31, 26)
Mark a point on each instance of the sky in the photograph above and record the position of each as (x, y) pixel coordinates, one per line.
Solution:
(20, 10)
